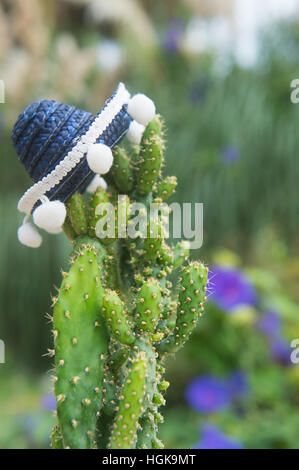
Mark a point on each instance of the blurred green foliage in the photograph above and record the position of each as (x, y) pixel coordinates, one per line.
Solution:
(25, 422)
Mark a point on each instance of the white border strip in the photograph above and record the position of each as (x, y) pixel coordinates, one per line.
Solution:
(99, 125)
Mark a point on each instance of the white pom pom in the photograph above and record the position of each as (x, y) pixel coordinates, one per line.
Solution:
(142, 109)
(29, 236)
(99, 158)
(50, 216)
(135, 132)
(55, 230)
(97, 182)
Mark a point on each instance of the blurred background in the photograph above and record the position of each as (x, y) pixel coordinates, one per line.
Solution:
(220, 74)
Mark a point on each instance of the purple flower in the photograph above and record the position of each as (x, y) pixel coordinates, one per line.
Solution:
(229, 155)
(48, 402)
(270, 324)
(208, 394)
(238, 384)
(213, 438)
(231, 288)
(173, 36)
(281, 351)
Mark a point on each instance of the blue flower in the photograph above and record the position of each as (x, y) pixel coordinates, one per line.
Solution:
(48, 402)
(213, 438)
(229, 155)
(238, 384)
(231, 288)
(281, 351)
(208, 394)
(270, 324)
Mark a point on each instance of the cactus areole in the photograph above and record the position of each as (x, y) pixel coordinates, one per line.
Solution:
(116, 316)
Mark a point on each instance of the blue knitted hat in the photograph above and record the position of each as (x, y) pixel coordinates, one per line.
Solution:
(65, 149)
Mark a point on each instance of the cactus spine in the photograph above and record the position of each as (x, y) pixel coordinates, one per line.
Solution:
(116, 316)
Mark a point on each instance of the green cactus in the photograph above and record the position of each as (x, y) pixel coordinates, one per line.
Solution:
(166, 188)
(192, 294)
(56, 437)
(122, 171)
(149, 163)
(77, 214)
(99, 197)
(81, 344)
(117, 316)
(148, 306)
(131, 405)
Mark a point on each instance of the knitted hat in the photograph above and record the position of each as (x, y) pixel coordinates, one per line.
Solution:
(65, 150)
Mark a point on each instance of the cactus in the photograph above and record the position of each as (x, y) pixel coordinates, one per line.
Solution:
(81, 344)
(116, 316)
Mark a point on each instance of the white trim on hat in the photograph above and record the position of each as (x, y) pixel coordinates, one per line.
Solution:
(99, 125)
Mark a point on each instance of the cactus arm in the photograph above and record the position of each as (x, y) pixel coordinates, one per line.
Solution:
(150, 164)
(81, 345)
(166, 255)
(192, 293)
(122, 171)
(111, 275)
(153, 242)
(180, 253)
(116, 316)
(147, 434)
(148, 430)
(99, 197)
(150, 161)
(124, 430)
(77, 214)
(165, 188)
(148, 306)
(113, 378)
